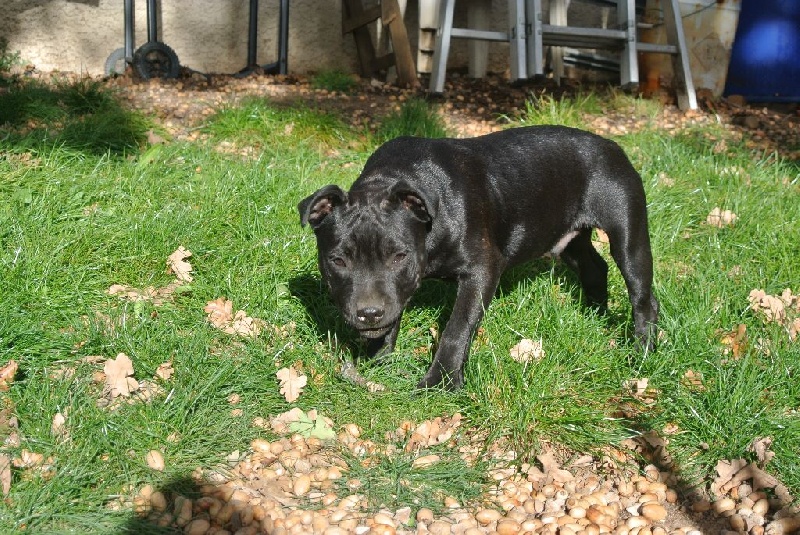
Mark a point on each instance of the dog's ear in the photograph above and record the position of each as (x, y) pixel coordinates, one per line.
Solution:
(316, 207)
(418, 202)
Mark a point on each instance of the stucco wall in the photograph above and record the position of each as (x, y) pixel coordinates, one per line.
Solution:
(207, 35)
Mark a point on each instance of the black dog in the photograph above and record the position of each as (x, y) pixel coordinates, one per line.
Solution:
(467, 209)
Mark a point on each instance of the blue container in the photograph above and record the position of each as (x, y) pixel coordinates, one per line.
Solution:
(765, 59)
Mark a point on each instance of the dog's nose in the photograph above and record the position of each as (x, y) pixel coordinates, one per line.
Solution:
(370, 315)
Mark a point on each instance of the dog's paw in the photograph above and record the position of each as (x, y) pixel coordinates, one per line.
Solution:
(438, 378)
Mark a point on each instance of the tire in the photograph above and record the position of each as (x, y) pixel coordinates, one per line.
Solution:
(116, 64)
(156, 60)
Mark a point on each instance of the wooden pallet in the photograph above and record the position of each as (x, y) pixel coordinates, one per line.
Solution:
(355, 18)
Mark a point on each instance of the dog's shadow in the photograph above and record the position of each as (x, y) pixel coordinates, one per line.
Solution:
(434, 294)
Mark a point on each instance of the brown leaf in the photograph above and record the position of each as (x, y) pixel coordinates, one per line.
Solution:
(693, 380)
(7, 373)
(735, 341)
(165, 371)
(552, 468)
(280, 423)
(5, 474)
(177, 264)
(158, 296)
(725, 472)
(117, 373)
(291, 383)
(721, 218)
(58, 428)
(527, 350)
(220, 314)
(155, 460)
(433, 432)
(637, 387)
(760, 446)
(770, 306)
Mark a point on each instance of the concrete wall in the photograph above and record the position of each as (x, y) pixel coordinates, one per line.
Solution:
(207, 35)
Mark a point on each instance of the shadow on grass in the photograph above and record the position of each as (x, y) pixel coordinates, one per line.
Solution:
(433, 294)
(80, 115)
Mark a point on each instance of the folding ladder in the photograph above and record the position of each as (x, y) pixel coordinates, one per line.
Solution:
(527, 49)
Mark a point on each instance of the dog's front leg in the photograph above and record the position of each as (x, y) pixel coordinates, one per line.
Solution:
(474, 294)
(380, 347)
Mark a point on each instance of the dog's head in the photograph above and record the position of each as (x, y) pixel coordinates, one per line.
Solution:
(371, 250)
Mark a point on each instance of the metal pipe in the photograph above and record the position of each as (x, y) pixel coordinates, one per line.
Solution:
(129, 26)
(252, 34)
(152, 21)
(283, 38)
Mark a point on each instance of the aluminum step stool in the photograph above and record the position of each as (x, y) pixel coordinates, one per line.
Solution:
(515, 36)
(623, 38)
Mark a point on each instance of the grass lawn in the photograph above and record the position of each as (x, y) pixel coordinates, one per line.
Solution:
(86, 203)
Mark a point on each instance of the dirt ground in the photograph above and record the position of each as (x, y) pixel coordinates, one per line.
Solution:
(469, 106)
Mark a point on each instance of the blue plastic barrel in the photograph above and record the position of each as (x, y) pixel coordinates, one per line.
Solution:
(765, 59)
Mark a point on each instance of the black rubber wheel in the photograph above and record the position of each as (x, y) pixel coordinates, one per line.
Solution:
(116, 64)
(156, 60)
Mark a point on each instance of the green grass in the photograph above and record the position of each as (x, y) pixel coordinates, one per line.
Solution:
(334, 80)
(78, 216)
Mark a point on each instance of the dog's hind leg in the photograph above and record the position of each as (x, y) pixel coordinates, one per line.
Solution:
(630, 248)
(581, 256)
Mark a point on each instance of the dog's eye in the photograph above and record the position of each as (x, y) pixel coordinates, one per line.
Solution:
(399, 257)
(339, 262)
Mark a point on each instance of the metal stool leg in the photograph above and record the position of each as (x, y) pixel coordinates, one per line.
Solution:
(629, 65)
(516, 37)
(442, 48)
(534, 50)
(687, 98)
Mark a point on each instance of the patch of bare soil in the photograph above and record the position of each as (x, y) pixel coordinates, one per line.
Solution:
(470, 107)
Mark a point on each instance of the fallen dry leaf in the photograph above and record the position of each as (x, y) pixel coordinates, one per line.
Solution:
(735, 341)
(157, 296)
(794, 329)
(291, 383)
(165, 371)
(280, 423)
(58, 428)
(220, 314)
(760, 446)
(155, 460)
(177, 264)
(552, 468)
(637, 387)
(721, 218)
(733, 473)
(433, 432)
(527, 350)
(7, 373)
(5, 474)
(118, 372)
(28, 459)
(773, 308)
(693, 380)
(425, 461)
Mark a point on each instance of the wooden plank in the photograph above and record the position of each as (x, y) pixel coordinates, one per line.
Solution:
(392, 18)
(361, 19)
(352, 9)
